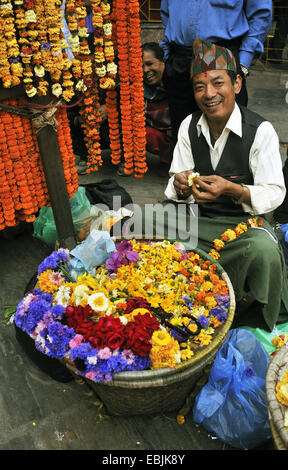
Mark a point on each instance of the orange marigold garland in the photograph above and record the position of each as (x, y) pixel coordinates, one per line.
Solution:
(124, 78)
(231, 234)
(137, 95)
(114, 129)
(91, 121)
(23, 189)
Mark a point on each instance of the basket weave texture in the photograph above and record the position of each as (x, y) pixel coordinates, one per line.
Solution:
(275, 371)
(162, 390)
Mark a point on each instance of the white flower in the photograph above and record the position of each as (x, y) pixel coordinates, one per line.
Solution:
(177, 357)
(39, 70)
(80, 86)
(30, 16)
(101, 71)
(107, 27)
(112, 68)
(191, 178)
(83, 32)
(57, 89)
(98, 302)
(62, 296)
(92, 359)
(123, 320)
(81, 294)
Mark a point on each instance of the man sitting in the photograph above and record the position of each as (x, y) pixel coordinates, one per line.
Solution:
(236, 153)
(158, 122)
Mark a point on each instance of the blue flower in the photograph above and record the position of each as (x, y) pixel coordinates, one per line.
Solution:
(58, 338)
(54, 260)
(203, 320)
(35, 314)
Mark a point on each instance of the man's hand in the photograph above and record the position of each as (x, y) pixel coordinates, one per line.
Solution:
(181, 185)
(208, 188)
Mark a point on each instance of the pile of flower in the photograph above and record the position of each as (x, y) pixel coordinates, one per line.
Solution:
(150, 305)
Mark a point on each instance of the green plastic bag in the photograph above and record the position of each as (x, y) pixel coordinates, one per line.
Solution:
(266, 338)
(45, 227)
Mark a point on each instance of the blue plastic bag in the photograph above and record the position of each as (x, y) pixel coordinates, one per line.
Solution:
(232, 404)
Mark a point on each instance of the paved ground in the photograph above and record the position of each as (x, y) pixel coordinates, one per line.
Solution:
(38, 413)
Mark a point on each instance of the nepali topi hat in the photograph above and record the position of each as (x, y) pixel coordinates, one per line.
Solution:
(208, 56)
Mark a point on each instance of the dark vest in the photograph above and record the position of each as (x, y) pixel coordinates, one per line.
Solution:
(233, 164)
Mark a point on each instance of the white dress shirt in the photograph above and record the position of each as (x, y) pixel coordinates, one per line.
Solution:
(265, 162)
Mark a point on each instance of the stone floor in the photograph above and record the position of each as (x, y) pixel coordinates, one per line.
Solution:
(38, 413)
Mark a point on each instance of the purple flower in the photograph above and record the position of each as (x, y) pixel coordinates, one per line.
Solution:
(188, 301)
(203, 321)
(222, 299)
(122, 255)
(46, 45)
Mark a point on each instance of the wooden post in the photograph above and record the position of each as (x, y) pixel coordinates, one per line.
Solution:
(54, 174)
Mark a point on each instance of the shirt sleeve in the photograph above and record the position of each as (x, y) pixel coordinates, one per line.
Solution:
(268, 191)
(182, 159)
(259, 17)
(164, 13)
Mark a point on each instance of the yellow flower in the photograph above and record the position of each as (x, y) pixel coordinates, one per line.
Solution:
(161, 338)
(180, 419)
(45, 284)
(186, 354)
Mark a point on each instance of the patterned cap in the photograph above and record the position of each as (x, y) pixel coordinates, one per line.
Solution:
(208, 56)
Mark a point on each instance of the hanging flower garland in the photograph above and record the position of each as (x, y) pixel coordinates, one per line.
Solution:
(91, 121)
(12, 71)
(114, 127)
(124, 77)
(23, 189)
(110, 40)
(137, 95)
(231, 234)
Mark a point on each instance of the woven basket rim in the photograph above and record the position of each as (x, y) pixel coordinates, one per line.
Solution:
(276, 409)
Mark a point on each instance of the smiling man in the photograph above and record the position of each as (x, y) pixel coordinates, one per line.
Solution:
(236, 153)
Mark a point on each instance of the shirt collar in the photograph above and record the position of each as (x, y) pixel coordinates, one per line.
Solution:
(233, 124)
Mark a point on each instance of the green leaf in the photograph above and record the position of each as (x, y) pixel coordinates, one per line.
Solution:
(9, 310)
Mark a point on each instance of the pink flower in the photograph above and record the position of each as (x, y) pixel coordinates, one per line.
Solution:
(90, 375)
(75, 341)
(104, 353)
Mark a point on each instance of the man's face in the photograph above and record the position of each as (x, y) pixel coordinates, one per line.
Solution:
(215, 94)
(152, 68)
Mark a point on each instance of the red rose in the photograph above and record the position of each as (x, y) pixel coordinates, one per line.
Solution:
(115, 340)
(147, 322)
(136, 302)
(137, 339)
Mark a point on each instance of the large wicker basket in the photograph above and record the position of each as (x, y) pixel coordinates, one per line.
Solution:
(276, 410)
(162, 390)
